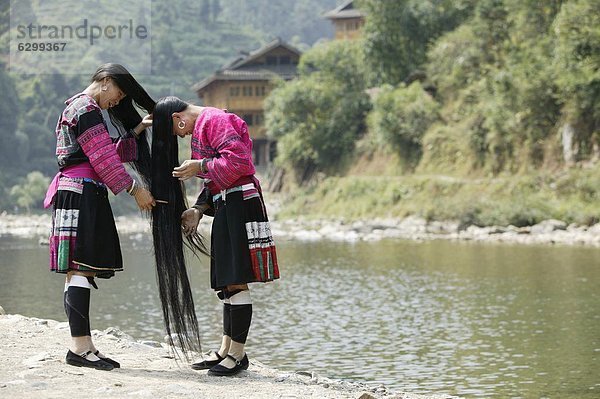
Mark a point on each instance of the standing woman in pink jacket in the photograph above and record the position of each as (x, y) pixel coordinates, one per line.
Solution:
(242, 248)
(84, 243)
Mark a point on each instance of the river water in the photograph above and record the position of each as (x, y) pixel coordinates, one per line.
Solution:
(476, 320)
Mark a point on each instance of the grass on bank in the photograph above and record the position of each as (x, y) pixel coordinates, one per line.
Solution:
(572, 196)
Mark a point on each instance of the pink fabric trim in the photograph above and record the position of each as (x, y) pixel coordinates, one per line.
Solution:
(82, 170)
(98, 146)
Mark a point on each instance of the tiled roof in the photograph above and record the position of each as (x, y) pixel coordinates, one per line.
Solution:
(260, 52)
(344, 11)
(240, 70)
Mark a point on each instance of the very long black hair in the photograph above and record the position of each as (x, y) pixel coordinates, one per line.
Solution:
(155, 169)
(175, 292)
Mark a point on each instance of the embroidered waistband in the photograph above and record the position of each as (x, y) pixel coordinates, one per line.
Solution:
(223, 193)
(65, 179)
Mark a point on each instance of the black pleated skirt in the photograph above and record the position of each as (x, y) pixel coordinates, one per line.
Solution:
(84, 236)
(242, 246)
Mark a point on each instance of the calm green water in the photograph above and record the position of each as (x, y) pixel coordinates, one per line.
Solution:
(466, 319)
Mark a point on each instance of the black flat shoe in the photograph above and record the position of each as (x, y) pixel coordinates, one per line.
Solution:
(108, 360)
(206, 364)
(81, 361)
(223, 371)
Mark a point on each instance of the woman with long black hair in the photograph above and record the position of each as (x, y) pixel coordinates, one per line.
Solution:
(84, 243)
(242, 248)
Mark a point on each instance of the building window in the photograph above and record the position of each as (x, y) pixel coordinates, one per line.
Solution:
(284, 60)
(258, 119)
(234, 91)
(271, 60)
(248, 119)
(260, 91)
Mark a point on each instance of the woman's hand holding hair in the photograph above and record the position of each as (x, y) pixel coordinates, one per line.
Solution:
(144, 199)
(189, 168)
(144, 124)
(189, 220)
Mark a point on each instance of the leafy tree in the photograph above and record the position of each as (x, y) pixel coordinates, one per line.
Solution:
(318, 117)
(9, 117)
(455, 61)
(30, 192)
(577, 30)
(42, 98)
(397, 33)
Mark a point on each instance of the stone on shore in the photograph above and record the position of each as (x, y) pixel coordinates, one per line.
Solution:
(409, 228)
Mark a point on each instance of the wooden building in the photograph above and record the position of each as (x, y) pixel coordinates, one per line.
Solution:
(242, 85)
(347, 21)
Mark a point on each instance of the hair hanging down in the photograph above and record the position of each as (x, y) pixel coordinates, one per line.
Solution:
(173, 283)
(125, 117)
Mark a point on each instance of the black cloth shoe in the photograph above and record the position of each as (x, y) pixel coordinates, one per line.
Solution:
(108, 360)
(206, 364)
(223, 371)
(81, 361)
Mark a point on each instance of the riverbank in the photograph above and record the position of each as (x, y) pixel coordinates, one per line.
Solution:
(548, 232)
(33, 365)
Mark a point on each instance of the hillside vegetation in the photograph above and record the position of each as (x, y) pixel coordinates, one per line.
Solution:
(487, 112)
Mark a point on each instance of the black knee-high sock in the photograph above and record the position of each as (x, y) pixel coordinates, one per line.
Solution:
(77, 308)
(241, 316)
(227, 319)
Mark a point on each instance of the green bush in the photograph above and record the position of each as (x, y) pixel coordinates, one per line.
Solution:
(318, 118)
(455, 61)
(446, 148)
(401, 116)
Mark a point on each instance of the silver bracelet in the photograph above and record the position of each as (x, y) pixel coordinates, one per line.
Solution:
(203, 162)
(132, 190)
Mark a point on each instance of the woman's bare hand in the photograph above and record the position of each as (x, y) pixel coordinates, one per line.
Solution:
(144, 199)
(189, 220)
(189, 168)
(145, 123)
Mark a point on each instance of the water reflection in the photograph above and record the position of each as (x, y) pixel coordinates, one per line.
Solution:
(467, 319)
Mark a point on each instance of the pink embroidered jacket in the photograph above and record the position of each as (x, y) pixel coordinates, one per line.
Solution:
(82, 136)
(223, 137)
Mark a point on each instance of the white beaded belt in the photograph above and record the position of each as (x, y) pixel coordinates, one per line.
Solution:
(223, 193)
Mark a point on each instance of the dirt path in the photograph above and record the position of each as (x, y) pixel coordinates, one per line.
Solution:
(32, 365)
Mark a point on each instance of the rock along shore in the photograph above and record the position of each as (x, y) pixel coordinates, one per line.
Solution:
(33, 365)
(410, 228)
